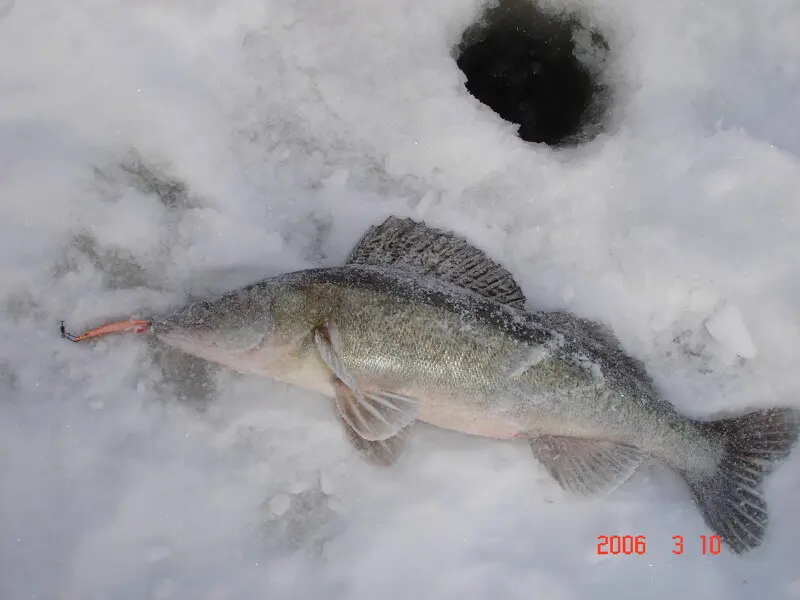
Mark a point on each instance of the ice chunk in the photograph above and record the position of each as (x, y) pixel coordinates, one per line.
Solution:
(728, 328)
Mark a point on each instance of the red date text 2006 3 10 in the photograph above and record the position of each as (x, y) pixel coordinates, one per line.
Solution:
(628, 544)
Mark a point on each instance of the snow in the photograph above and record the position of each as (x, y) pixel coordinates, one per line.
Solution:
(155, 151)
(728, 328)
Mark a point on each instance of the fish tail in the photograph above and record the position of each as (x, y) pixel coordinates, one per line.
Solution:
(732, 499)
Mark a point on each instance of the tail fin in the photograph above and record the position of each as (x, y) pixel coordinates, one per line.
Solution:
(732, 500)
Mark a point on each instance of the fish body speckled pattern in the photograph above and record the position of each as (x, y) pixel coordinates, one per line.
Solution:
(420, 325)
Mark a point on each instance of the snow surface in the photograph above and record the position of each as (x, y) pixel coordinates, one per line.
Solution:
(152, 150)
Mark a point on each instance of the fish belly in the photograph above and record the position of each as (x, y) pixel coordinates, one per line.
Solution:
(449, 418)
(465, 418)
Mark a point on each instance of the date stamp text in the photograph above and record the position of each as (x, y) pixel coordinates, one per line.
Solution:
(629, 544)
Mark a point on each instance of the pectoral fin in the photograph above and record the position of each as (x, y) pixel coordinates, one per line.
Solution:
(328, 344)
(374, 415)
(586, 467)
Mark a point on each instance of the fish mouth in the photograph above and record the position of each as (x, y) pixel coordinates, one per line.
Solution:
(174, 333)
(191, 344)
(162, 327)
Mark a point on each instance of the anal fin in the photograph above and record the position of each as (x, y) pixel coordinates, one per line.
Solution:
(584, 466)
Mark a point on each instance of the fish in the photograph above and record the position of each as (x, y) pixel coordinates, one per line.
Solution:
(420, 325)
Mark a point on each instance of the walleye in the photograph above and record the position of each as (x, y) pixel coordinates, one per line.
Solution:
(420, 325)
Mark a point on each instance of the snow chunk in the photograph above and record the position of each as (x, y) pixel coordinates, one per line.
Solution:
(728, 328)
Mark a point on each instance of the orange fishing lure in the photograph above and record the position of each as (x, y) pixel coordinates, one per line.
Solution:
(116, 327)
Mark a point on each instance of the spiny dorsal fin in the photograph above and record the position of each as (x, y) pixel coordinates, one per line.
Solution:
(407, 244)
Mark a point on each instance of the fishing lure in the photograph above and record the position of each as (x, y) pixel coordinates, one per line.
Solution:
(115, 327)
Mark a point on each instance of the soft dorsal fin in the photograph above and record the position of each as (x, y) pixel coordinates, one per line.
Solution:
(407, 244)
(625, 372)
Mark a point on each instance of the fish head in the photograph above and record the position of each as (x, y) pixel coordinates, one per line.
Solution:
(226, 330)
